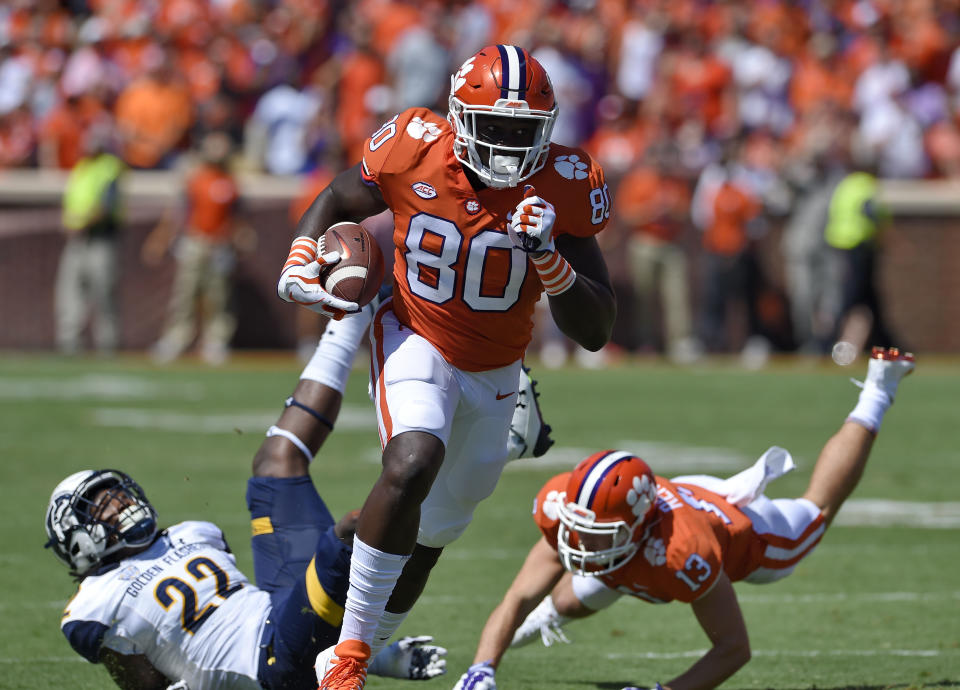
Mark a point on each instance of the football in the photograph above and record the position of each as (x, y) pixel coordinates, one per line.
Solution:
(359, 273)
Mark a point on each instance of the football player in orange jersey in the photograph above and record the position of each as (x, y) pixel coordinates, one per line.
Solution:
(611, 527)
(488, 214)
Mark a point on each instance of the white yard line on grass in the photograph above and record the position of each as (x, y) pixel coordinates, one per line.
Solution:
(352, 418)
(96, 386)
(804, 653)
(669, 459)
(42, 659)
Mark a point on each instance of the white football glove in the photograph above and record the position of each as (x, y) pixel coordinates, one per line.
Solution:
(543, 622)
(300, 279)
(413, 658)
(531, 227)
(179, 685)
(478, 677)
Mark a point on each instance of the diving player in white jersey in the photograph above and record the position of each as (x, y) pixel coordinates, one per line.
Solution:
(170, 608)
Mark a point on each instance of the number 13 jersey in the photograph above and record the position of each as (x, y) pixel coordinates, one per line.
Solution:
(458, 280)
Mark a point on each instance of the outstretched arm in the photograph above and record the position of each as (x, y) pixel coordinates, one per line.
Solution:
(718, 613)
(538, 575)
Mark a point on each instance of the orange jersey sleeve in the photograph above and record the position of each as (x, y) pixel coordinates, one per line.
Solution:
(458, 281)
(545, 507)
(574, 183)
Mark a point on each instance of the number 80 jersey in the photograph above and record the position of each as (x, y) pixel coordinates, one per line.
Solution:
(182, 603)
(458, 280)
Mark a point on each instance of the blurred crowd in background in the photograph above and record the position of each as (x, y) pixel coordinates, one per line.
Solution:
(710, 118)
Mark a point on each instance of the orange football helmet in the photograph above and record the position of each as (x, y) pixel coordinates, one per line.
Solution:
(502, 81)
(608, 498)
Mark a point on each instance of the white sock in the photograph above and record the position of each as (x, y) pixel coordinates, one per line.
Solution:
(373, 575)
(871, 407)
(333, 358)
(389, 622)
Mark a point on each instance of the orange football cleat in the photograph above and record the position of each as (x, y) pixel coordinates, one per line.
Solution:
(343, 667)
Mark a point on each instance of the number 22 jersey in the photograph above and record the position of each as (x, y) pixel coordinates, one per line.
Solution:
(182, 603)
(458, 281)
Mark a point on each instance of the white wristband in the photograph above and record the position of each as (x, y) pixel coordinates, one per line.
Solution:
(556, 274)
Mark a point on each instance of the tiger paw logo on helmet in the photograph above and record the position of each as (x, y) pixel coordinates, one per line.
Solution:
(641, 495)
(460, 78)
(418, 129)
(551, 504)
(570, 167)
(655, 552)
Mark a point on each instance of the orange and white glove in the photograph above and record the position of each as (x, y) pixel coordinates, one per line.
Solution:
(300, 279)
(531, 227)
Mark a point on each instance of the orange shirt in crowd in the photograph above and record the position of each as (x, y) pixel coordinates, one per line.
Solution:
(698, 83)
(813, 82)
(389, 20)
(361, 71)
(66, 126)
(212, 196)
(152, 117)
(733, 209)
(652, 205)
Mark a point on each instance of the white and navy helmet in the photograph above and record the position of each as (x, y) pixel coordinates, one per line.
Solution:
(76, 533)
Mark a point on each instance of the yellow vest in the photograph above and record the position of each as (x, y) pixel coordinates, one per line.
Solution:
(88, 182)
(848, 225)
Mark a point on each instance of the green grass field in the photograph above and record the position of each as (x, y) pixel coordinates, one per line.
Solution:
(874, 607)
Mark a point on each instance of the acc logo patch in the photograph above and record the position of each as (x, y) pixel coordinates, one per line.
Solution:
(424, 190)
(570, 167)
(472, 206)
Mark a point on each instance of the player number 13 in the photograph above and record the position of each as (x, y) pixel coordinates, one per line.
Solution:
(695, 572)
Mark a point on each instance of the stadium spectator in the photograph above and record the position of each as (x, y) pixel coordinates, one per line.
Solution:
(730, 220)
(276, 135)
(209, 232)
(611, 527)
(855, 226)
(417, 65)
(64, 130)
(101, 525)
(451, 339)
(360, 96)
(654, 202)
(811, 269)
(153, 115)
(87, 274)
